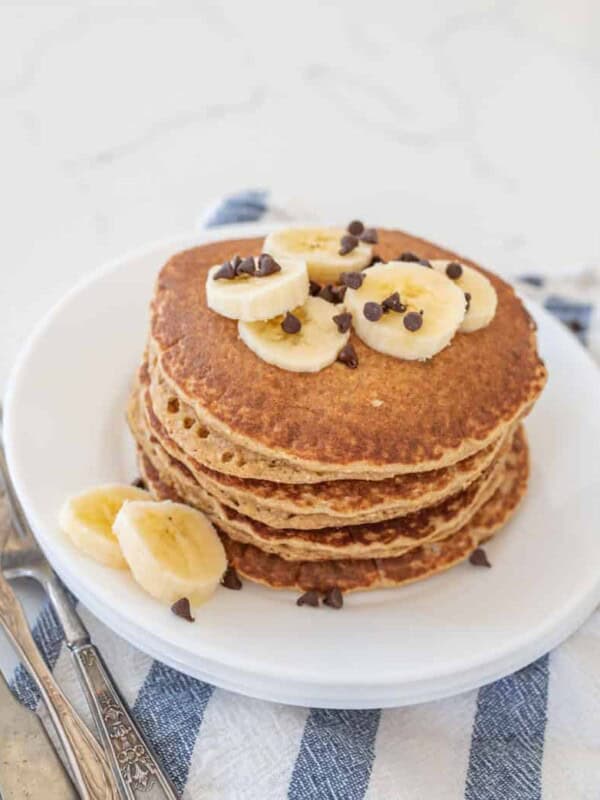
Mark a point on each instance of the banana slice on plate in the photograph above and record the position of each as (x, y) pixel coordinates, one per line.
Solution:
(173, 551)
(88, 518)
(255, 296)
(406, 310)
(307, 339)
(481, 295)
(320, 249)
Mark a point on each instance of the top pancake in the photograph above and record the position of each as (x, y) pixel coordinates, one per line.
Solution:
(388, 415)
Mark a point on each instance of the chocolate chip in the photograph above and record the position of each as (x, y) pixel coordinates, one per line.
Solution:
(479, 559)
(314, 288)
(181, 608)
(468, 299)
(375, 260)
(347, 244)
(225, 272)
(343, 321)
(230, 579)
(235, 262)
(355, 228)
(409, 257)
(333, 598)
(310, 598)
(353, 280)
(338, 293)
(372, 311)
(347, 356)
(392, 303)
(413, 321)
(454, 270)
(425, 263)
(246, 267)
(369, 235)
(267, 266)
(291, 324)
(139, 483)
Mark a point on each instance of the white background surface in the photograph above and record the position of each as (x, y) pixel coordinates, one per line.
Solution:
(474, 123)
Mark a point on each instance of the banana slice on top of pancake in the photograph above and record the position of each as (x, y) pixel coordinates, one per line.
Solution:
(327, 251)
(481, 295)
(252, 289)
(406, 310)
(306, 339)
(173, 550)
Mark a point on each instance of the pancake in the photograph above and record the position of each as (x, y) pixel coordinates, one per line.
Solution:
(366, 574)
(309, 506)
(385, 418)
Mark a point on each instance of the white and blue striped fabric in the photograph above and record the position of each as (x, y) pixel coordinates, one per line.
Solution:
(534, 734)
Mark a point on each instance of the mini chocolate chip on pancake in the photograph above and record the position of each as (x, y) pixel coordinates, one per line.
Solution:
(225, 272)
(479, 558)
(246, 267)
(413, 321)
(369, 235)
(468, 299)
(353, 280)
(314, 288)
(347, 356)
(454, 270)
(343, 321)
(266, 266)
(356, 227)
(310, 598)
(393, 303)
(139, 483)
(409, 257)
(372, 311)
(291, 324)
(181, 608)
(347, 244)
(230, 579)
(333, 598)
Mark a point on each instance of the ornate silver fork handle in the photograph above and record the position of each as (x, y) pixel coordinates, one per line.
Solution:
(89, 767)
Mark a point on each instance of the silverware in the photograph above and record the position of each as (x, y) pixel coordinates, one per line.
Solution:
(27, 757)
(134, 766)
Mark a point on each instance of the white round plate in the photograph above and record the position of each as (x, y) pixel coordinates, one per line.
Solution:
(65, 430)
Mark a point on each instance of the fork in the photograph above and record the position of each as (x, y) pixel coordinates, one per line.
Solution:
(134, 766)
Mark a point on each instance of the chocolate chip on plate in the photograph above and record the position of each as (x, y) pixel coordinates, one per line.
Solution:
(181, 608)
(246, 267)
(356, 227)
(139, 483)
(267, 266)
(372, 311)
(468, 299)
(454, 270)
(291, 324)
(413, 321)
(333, 598)
(369, 235)
(314, 288)
(479, 558)
(347, 244)
(225, 272)
(310, 598)
(230, 579)
(393, 303)
(353, 280)
(407, 256)
(347, 356)
(343, 321)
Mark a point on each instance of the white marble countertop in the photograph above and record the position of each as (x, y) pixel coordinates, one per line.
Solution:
(475, 123)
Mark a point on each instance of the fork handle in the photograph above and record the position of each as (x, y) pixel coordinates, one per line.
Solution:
(86, 760)
(137, 767)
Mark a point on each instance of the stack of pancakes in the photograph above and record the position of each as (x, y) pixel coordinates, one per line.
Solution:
(349, 478)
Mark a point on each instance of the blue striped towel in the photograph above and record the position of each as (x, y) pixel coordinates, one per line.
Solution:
(533, 734)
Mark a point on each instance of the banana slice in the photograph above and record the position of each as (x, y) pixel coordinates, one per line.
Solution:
(311, 348)
(319, 247)
(88, 518)
(173, 551)
(251, 298)
(402, 331)
(482, 297)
